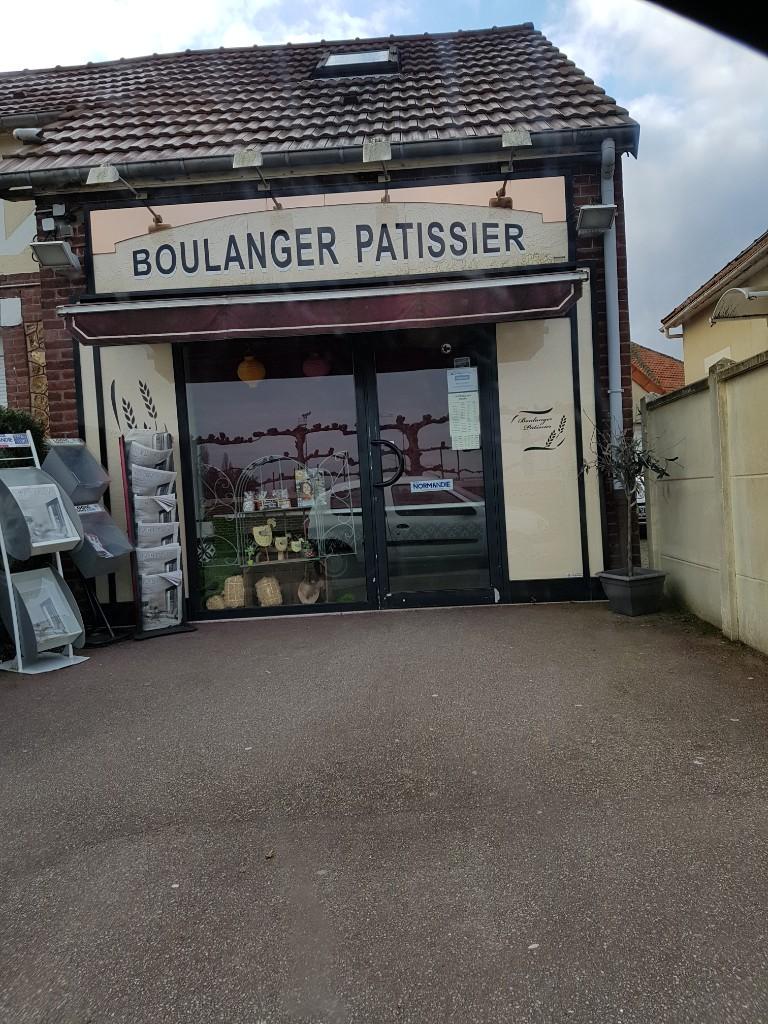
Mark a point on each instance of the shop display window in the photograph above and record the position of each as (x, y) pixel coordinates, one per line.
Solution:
(273, 436)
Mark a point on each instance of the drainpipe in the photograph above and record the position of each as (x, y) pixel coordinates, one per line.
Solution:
(608, 152)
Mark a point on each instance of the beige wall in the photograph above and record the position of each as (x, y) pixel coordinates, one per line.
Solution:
(541, 497)
(127, 366)
(17, 229)
(708, 523)
(542, 195)
(704, 343)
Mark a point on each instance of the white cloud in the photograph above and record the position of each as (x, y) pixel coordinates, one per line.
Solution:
(109, 29)
(697, 194)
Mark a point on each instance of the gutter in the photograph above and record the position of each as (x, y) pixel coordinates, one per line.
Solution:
(339, 158)
(610, 260)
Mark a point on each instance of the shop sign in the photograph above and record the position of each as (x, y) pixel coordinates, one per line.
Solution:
(292, 247)
(419, 486)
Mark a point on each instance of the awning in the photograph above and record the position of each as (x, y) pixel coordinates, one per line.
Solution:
(740, 304)
(338, 311)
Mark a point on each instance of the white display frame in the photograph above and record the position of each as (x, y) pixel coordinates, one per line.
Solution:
(45, 661)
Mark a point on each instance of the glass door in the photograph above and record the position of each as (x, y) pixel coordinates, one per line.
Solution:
(428, 467)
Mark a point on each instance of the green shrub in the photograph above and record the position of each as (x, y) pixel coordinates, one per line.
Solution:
(16, 421)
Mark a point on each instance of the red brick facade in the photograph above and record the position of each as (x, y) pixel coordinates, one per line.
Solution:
(27, 288)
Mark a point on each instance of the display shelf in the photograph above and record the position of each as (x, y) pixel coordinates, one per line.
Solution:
(103, 542)
(77, 472)
(47, 614)
(36, 605)
(37, 517)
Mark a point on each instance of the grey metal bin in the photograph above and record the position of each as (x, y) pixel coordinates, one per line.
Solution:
(103, 543)
(80, 476)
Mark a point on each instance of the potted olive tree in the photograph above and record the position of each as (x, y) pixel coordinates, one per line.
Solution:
(634, 590)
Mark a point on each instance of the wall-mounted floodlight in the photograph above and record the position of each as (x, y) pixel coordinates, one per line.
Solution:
(378, 150)
(104, 174)
(57, 256)
(595, 220)
(252, 158)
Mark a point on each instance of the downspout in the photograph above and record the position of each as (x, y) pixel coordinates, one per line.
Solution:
(615, 394)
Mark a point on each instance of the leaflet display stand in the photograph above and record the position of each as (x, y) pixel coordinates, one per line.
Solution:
(149, 485)
(36, 605)
(84, 480)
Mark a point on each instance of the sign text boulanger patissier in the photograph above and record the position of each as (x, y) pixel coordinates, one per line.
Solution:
(333, 244)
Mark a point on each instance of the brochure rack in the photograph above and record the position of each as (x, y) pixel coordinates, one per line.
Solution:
(151, 511)
(84, 480)
(36, 605)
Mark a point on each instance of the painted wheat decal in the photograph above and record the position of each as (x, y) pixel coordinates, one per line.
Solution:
(149, 404)
(129, 415)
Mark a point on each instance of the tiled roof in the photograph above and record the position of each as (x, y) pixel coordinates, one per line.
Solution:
(211, 102)
(664, 371)
(723, 276)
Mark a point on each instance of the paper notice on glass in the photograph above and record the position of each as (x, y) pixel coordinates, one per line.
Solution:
(462, 378)
(464, 420)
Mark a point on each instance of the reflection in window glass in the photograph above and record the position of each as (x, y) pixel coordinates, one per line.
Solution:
(276, 475)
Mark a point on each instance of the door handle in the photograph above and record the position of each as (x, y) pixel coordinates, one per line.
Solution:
(400, 462)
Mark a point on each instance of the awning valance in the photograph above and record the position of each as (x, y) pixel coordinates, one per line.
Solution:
(338, 311)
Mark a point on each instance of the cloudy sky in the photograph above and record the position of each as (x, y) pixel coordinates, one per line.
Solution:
(695, 197)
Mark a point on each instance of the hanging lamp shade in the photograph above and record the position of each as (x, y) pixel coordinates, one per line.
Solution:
(251, 369)
(316, 365)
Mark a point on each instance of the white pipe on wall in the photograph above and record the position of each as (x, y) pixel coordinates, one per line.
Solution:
(615, 391)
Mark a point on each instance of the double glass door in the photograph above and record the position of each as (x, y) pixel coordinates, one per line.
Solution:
(335, 472)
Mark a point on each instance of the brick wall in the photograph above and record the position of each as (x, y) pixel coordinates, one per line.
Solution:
(589, 253)
(57, 290)
(27, 288)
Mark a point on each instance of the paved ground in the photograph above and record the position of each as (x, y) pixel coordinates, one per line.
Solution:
(508, 815)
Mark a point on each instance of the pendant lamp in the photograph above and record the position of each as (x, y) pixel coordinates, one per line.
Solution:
(251, 370)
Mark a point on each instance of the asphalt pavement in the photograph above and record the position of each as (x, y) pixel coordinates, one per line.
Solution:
(508, 814)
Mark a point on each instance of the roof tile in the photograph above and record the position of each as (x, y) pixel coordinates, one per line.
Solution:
(453, 86)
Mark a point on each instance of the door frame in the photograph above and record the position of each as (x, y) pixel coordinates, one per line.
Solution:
(482, 338)
(371, 497)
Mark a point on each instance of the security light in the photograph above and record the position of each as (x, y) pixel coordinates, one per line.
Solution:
(104, 174)
(595, 220)
(57, 256)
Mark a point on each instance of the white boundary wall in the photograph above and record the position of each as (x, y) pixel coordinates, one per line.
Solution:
(708, 521)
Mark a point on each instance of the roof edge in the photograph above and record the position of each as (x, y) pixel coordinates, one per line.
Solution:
(691, 305)
(390, 40)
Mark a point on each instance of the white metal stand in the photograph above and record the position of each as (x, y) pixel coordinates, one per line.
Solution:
(46, 661)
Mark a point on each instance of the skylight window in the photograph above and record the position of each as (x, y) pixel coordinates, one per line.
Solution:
(338, 60)
(360, 62)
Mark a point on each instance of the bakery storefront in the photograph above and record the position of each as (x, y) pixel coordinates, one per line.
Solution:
(373, 404)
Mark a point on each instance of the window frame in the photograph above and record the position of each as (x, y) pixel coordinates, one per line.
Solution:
(365, 68)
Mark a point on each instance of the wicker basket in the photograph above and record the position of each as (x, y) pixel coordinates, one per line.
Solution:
(215, 603)
(268, 592)
(234, 592)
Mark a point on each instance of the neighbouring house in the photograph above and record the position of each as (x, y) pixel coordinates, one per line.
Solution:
(653, 373)
(727, 316)
(363, 286)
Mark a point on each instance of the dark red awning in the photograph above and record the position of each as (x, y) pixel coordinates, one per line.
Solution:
(341, 311)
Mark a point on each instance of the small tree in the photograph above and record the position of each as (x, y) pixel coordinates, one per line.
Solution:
(625, 459)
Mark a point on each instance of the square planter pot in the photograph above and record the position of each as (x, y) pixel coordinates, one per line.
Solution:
(639, 594)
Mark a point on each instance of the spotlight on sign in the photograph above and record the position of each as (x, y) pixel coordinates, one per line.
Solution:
(57, 256)
(595, 220)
